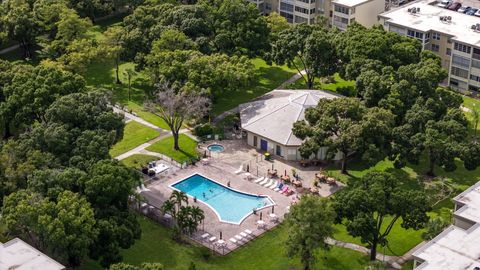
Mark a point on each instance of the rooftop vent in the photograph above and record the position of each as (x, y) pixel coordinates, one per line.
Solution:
(413, 10)
(445, 18)
(475, 27)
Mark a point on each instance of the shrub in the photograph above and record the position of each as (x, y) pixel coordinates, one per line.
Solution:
(348, 91)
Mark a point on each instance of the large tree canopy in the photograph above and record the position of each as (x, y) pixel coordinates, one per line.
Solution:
(370, 207)
(345, 125)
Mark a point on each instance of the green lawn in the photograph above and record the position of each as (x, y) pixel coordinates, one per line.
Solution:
(266, 252)
(268, 78)
(134, 135)
(339, 82)
(137, 161)
(188, 148)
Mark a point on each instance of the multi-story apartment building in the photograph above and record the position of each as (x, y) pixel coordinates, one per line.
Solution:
(345, 12)
(338, 12)
(453, 36)
(457, 247)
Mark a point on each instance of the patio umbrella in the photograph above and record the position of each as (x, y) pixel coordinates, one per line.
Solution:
(285, 172)
(261, 215)
(220, 234)
(248, 168)
(272, 166)
(273, 209)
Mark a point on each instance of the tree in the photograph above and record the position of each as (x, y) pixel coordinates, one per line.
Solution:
(129, 73)
(144, 266)
(345, 125)
(174, 108)
(172, 39)
(311, 46)
(65, 228)
(178, 198)
(434, 227)
(276, 23)
(475, 119)
(31, 91)
(112, 47)
(310, 223)
(371, 206)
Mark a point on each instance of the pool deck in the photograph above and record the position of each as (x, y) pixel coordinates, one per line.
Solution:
(159, 191)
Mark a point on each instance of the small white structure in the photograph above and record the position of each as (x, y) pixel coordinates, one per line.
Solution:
(269, 120)
(18, 255)
(458, 246)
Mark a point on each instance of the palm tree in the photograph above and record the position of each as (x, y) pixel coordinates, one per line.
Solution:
(178, 197)
(197, 215)
(169, 207)
(129, 73)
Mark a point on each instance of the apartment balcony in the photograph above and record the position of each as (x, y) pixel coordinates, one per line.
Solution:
(340, 25)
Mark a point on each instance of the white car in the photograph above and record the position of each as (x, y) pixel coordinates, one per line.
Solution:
(444, 3)
(477, 13)
(463, 9)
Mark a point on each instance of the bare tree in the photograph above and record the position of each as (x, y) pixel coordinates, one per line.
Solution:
(174, 108)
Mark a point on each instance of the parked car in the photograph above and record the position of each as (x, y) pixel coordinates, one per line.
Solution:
(477, 13)
(444, 3)
(471, 11)
(464, 9)
(454, 6)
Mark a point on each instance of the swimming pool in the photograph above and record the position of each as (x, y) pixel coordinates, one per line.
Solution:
(230, 205)
(215, 148)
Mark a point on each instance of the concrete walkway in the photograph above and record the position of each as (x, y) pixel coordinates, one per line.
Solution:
(135, 118)
(292, 79)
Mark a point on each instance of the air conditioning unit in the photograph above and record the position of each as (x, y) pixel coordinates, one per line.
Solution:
(449, 18)
(474, 27)
(442, 18)
(418, 10)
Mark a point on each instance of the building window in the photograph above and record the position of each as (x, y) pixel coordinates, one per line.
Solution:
(454, 82)
(300, 19)
(435, 48)
(476, 53)
(268, 6)
(312, 11)
(287, 16)
(255, 139)
(340, 19)
(415, 34)
(475, 78)
(459, 72)
(352, 10)
(286, 7)
(278, 151)
(436, 35)
(462, 48)
(301, 10)
(460, 61)
(449, 51)
(475, 63)
(341, 9)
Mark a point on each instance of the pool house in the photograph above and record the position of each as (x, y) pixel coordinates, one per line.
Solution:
(268, 121)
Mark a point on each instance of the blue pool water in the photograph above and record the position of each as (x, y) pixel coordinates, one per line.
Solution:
(215, 148)
(231, 206)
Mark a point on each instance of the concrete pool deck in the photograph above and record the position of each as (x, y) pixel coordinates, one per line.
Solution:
(159, 191)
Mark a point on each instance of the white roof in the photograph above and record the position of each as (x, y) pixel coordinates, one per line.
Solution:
(18, 255)
(471, 200)
(453, 249)
(272, 115)
(428, 20)
(350, 3)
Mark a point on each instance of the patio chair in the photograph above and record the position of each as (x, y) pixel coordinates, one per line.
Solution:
(233, 240)
(239, 170)
(238, 237)
(285, 189)
(243, 234)
(248, 232)
(211, 239)
(272, 186)
(264, 181)
(279, 187)
(268, 183)
(259, 179)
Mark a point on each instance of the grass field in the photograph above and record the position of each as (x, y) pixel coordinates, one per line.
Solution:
(339, 82)
(268, 78)
(188, 148)
(134, 135)
(266, 252)
(137, 161)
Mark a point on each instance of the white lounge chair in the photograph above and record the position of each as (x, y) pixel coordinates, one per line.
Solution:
(274, 185)
(205, 235)
(211, 239)
(259, 179)
(238, 237)
(239, 170)
(243, 234)
(233, 240)
(268, 183)
(264, 181)
(248, 232)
